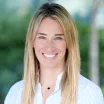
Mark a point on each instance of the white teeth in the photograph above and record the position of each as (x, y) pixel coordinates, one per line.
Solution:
(46, 55)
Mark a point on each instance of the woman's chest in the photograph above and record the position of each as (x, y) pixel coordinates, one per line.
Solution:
(54, 98)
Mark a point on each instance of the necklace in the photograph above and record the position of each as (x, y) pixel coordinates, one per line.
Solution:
(48, 88)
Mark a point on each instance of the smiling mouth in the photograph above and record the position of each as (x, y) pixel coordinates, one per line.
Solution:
(49, 55)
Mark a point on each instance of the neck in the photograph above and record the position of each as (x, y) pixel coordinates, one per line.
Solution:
(49, 76)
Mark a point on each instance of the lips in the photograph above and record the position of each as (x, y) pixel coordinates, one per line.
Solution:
(49, 55)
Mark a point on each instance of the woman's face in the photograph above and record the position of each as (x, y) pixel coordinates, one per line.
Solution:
(50, 45)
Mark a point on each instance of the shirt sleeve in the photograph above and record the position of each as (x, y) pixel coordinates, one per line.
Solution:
(14, 94)
(98, 98)
(9, 98)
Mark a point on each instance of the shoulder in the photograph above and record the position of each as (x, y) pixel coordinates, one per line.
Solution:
(14, 93)
(90, 91)
(17, 85)
(86, 83)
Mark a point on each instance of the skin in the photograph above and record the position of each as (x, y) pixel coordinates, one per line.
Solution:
(50, 49)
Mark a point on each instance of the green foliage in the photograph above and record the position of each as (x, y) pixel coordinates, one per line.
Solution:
(84, 30)
(13, 29)
(102, 87)
(84, 40)
(101, 55)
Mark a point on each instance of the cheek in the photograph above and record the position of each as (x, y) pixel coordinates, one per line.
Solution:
(62, 46)
(37, 48)
(38, 45)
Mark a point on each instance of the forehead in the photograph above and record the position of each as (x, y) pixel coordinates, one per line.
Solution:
(49, 24)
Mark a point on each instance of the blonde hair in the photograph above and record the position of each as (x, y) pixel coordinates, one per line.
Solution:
(69, 82)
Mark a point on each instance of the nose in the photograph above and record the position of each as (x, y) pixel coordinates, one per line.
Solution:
(50, 45)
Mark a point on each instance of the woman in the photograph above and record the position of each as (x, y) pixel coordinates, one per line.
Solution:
(52, 63)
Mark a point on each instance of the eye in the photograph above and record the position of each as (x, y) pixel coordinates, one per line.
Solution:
(42, 37)
(58, 38)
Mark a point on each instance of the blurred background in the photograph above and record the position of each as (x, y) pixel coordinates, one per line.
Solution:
(14, 19)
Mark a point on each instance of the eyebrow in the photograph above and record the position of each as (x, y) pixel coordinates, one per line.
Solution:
(55, 34)
(41, 34)
(59, 34)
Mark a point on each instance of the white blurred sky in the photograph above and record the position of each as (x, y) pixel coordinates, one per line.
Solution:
(81, 7)
(74, 5)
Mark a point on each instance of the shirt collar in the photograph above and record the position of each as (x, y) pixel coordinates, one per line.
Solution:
(58, 83)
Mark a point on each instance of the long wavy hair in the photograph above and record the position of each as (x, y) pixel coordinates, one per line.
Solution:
(69, 82)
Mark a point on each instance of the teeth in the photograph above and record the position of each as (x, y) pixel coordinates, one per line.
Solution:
(46, 55)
